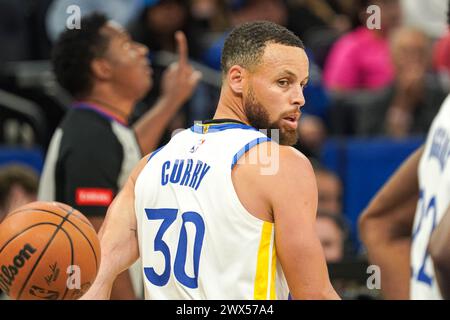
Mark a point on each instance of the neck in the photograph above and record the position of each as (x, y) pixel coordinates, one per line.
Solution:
(230, 106)
(119, 107)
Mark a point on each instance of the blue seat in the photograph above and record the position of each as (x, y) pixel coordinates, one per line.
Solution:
(31, 157)
(364, 165)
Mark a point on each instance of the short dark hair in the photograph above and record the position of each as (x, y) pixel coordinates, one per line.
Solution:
(74, 51)
(16, 174)
(245, 45)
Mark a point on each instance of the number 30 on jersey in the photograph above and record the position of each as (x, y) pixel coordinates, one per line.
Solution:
(168, 216)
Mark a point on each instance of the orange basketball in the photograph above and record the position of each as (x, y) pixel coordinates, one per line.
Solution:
(48, 250)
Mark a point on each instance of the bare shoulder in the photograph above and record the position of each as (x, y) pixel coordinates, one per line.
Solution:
(291, 156)
(270, 162)
(295, 173)
(138, 168)
(270, 173)
(273, 173)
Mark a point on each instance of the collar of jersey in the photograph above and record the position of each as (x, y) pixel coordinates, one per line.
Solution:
(217, 125)
(99, 110)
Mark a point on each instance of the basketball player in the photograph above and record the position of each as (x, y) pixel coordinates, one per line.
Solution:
(206, 218)
(397, 239)
(94, 149)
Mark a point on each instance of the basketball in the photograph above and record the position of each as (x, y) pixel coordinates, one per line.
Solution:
(48, 250)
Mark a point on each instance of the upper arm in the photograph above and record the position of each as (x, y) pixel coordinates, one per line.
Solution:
(118, 235)
(294, 205)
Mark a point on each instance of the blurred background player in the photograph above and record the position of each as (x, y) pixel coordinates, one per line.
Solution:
(202, 179)
(94, 149)
(397, 239)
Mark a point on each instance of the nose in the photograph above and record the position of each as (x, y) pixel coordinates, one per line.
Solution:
(297, 97)
(142, 48)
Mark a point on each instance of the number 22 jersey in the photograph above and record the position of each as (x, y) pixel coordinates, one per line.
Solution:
(434, 199)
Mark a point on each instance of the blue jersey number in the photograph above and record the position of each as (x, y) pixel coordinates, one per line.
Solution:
(425, 210)
(168, 216)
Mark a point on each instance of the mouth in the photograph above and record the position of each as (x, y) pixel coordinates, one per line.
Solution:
(292, 120)
(147, 68)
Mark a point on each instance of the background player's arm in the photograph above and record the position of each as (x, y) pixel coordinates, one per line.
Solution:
(385, 228)
(294, 206)
(118, 239)
(440, 254)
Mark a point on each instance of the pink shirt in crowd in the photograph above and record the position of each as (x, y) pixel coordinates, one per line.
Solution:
(359, 60)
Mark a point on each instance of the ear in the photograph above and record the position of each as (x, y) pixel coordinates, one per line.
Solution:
(101, 69)
(236, 77)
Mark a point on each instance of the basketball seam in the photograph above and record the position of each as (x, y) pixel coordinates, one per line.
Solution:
(64, 219)
(22, 231)
(71, 258)
(73, 224)
(42, 210)
(88, 223)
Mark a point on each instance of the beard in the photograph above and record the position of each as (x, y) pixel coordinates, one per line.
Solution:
(258, 118)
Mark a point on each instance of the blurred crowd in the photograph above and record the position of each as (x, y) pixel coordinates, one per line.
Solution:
(388, 81)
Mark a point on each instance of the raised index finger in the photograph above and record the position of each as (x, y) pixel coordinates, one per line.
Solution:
(182, 48)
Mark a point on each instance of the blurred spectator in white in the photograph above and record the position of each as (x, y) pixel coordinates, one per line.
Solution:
(361, 58)
(18, 186)
(121, 11)
(409, 104)
(429, 16)
(441, 52)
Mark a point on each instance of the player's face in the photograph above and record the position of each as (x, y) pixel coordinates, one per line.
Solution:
(131, 70)
(274, 93)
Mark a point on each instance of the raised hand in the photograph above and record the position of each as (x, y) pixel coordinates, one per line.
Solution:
(180, 79)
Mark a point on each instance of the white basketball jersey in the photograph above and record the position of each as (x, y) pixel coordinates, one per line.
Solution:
(196, 239)
(434, 199)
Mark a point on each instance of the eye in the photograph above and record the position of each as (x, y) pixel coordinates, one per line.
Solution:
(304, 85)
(126, 45)
(283, 83)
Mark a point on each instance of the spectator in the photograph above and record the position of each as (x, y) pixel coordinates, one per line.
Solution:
(245, 11)
(428, 16)
(92, 152)
(158, 21)
(154, 27)
(409, 104)
(361, 58)
(311, 136)
(320, 23)
(332, 234)
(18, 186)
(330, 191)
